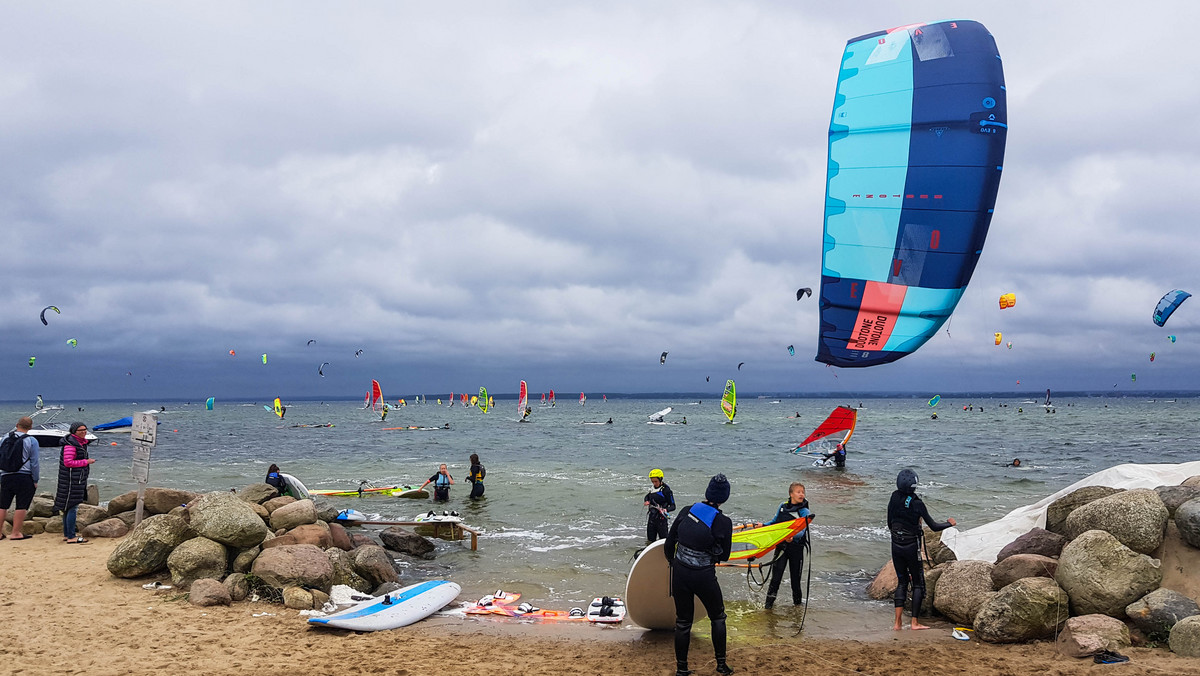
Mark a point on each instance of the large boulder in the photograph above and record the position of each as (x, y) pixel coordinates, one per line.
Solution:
(1136, 518)
(206, 592)
(339, 537)
(375, 565)
(1028, 609)
(238, 586)
(243, 561)
(1021, 566)
(1187, 520)
(293, 514)
(963, 589)
(407, 542)
(326, 512)
(225, 518)
(163, 500)
(145, 550)
(86, 515)
(885, 583)
(1155, 613)
(1058, 511)
(128, 517)
(1174, 496)
(125, 502)
(1037, 541)
(1089, 634)
(300, 565)
(937, 552)
(1101, 575)
(108, 528)
(54, 524)
(1191, 481)
(93, 495)
(198, 558)
(1180, 561)
(359, 539)
(258, 493)
(275, 503)
(38, 508)
(308, 534)
(1185, 637)
(297, 598)
(343, 570)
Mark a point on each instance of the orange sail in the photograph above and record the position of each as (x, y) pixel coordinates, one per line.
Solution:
(376, 394)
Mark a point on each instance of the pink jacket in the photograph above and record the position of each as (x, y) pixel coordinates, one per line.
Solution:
(69, 458)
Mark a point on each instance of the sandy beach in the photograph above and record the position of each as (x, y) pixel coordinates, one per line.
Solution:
(65, 614)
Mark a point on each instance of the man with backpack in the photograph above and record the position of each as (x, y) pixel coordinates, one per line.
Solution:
(19, 474)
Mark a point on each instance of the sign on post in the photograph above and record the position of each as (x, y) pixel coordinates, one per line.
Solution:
(144, 435)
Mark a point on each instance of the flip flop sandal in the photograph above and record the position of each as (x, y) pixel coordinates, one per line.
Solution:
(77, 541)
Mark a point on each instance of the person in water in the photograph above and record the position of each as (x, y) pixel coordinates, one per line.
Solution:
(72, 480)
(658, 502)
(790, 553)
(475, 476)
(609, 422)
(282, 412)
(700, 537)
(442, 481)
(838, 455)
(383, 415)
(274, 479)
(684, 420)
(1015, 463)
(904, 515)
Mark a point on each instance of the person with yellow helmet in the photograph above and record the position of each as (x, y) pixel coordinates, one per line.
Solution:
(659, 501)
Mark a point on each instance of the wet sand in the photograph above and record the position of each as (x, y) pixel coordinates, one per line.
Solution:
(65, 614)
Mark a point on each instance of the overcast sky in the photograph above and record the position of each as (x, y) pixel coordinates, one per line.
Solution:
(475, 193)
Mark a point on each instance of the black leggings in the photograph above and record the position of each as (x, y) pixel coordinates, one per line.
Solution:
(477, 490)
(686, 584)
(907, 561)
(656, 527)
(791, 555)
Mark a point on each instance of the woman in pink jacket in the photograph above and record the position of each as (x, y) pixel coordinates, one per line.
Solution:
(72, 479)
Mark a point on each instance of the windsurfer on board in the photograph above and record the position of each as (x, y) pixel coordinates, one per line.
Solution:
(838, 455)
(904, 515)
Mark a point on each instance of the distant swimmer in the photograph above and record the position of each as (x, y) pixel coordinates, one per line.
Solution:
(904, 515)
(1020, 410)
(446, 426)
(609, 422)
(1015, 463)
(684, 420)
(933, 417)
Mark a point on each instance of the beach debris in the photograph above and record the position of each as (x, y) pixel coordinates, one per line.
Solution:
(155, 586)
(273, 614)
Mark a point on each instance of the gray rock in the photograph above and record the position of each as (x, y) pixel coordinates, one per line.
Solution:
(301, 565)
(93, 495)
(261, 512)
(108, 528)
(297, 598)
(1174, 496)
(1136, 518)
(320, 598)
(326, 512)
(198, 558)
(1028, 609)
(244, 560)
(359, 539)
(146, 548)
(1058, 511)
(1155, 613)
(125, 502)
(55, 525)
(386, 588)
(963, 589)
(1191, 481)
(375, 565)
(1021, 566)
(40, 507)
(1180, 561)
(238, 586)
(128, 517)
(1187, 520)
(275, 503)
(1101, 575)
(223, 517)
(86, 515)
(408, 542)
(206, 592)
(163, 500)
(1089, 634)
(937, 552)
(1185, 637)
(1037, 541)
(294, 514)
(343, 570)
(258, 493)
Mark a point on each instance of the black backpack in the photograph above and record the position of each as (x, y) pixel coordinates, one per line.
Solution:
(12, 452)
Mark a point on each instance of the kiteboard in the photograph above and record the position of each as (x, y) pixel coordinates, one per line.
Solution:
(605, 610)
(648, 600)
(294, 487)
(396, 609)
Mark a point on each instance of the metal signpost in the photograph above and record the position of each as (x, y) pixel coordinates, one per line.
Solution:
(145, 430)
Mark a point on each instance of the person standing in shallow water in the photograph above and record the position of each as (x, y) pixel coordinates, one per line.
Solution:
(658, 502)
(475, 476)
(699, 538)
(904, 515)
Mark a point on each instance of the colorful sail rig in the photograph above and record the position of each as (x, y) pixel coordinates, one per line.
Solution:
(729, 401)
(582, 399)
(522, 401)
(465, 400)
(916, 149)
(376, 395)
(843, 419)
(1047, 404)
(451, 399)
(208, 403)
(278, 407)
(552, 397)
(754, 543)
(543, 398)
(484, 403)
(367, 400)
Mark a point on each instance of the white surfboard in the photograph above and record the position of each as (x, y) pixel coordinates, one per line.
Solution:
(409, 492)
(396, 609)
(351, 516)
(648, 600)
(295, 487)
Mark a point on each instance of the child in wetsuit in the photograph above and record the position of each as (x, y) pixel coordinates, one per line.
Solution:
(904, 515)
(790, 553)
(659, 501)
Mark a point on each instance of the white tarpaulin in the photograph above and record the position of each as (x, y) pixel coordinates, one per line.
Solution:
(985, 542)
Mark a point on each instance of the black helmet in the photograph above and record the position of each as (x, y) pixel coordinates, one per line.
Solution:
(906, 479)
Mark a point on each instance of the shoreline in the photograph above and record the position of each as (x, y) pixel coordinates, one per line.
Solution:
(52, 591)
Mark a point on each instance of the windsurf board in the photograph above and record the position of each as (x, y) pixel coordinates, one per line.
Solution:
(294, 487)
(396, 609)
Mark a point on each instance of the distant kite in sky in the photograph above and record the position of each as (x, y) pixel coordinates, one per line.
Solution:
(31, 360)
(310, 342)
(740, 365)
(321, 369)
(1171, 338)
(357, 353)
(1008, 300)
(232, 353)
(1166, 305)
(801, 293)
(264, 359)
(999, 337)
(663, 358)
(1151, 356)
(934, 402)
(1010, 344)
(792, 350)
(43, 315)
(706, 378)
(72, 342)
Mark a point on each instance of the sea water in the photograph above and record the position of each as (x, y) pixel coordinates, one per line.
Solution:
(563, 513)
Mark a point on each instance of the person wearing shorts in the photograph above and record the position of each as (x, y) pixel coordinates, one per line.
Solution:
(19, 486)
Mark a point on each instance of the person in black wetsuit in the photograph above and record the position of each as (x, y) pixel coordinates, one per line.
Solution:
(274, 479)
(700, 537)
(658, 502)
(789, 553)
(475, 476)
(904, 515)
(838, 455)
